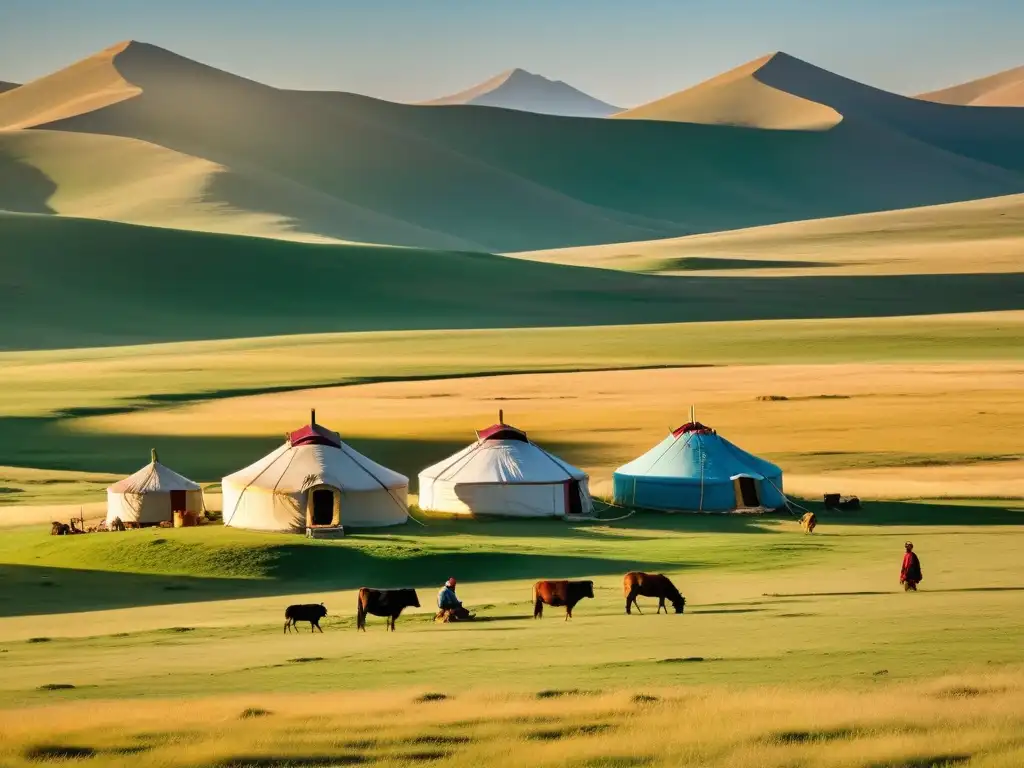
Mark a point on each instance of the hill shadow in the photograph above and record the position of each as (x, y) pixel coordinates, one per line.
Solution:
(32, 590)
(914, 514)
(24, 188)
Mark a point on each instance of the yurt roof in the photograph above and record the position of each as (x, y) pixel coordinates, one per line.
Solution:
(698, 452)
(317, 456)
(154, 478)
(503, 454)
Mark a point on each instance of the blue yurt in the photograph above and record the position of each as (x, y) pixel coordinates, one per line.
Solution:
(697, 470)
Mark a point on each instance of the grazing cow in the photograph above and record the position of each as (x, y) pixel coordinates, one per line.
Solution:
(384, 602)
(809, 522)
(559, 593)
(311, 612)
(656, 585)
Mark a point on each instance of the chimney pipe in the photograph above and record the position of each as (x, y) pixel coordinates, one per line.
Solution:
(152, 455)
(312, 416)
(501, 416)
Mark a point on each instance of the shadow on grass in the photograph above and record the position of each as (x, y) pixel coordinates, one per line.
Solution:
(914, 513)
(293, 569)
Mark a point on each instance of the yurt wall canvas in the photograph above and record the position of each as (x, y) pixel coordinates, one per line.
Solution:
(503, 473)
(287, 490)
(152, 495)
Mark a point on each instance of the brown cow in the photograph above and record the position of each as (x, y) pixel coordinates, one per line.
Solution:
(656, 585)
(809, 522)
(384, 602)
(559, 593)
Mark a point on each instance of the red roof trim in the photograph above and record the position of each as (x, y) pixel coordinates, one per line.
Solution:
(314, 434)
(693, 426)
(502, 432)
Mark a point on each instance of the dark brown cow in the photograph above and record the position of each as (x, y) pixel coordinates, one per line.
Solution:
(384, 602)
(311, 612)
(559, 593)
(656, 585)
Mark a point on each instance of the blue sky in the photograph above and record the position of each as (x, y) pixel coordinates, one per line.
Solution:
(624, 52)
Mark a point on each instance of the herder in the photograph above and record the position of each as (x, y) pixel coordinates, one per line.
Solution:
(910, 573)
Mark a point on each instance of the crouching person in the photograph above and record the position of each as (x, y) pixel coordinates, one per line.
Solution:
(449, 607)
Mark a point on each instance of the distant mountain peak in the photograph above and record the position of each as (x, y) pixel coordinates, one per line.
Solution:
(527, 91)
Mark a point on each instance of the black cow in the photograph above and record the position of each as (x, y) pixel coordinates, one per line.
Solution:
(558, 593)
(311, 612)
(384, 602)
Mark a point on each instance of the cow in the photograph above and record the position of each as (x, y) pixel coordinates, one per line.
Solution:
(384, 602)
(809, 522)
(311, 612)
(656, 585)
(559, 593)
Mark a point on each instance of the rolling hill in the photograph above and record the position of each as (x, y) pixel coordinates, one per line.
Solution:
(315, 165)
(1003, 89)
(70, 282)
(527, 92)
(957, 238)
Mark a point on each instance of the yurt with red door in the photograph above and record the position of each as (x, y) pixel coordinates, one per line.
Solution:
(152, 495)
(505, 473)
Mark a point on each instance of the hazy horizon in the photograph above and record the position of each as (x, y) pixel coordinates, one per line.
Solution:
(407, 51)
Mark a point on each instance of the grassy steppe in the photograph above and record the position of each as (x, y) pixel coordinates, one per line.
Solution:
(958, 238)
(122, 284)
(793, 647)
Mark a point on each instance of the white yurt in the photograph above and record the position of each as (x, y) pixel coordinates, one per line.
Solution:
(152, 495)
(503, 473)
(317, 484)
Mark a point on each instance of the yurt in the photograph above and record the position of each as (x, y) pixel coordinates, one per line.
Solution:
(504, 473)
(314, 483)
(152, 495)
(695, 469)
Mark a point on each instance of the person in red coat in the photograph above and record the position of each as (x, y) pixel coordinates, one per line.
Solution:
(910, 573)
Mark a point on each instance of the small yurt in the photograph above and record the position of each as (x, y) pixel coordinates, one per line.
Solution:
(317, 484)
(504, 473)
(695, 469)
(152, 495)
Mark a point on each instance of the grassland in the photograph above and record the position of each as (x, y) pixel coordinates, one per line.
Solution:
(198, 285)
(793, 647)
(958, 238)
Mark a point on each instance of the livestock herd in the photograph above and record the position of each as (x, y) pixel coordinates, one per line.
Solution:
(389, 603)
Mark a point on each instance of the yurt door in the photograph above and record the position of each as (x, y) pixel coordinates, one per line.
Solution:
(746, 492)
(573, 506)
(179, 501)
(322, 507)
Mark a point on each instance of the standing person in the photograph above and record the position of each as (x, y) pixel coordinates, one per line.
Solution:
(910, 573)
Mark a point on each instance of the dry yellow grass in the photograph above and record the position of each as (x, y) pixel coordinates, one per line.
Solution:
(888, 425)
(963, 720)
(957, 238)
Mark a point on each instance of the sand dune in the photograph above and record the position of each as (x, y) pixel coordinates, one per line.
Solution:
(737, 97)
(92, 83)
(525, 91)
(958, 238)
(338, 166)
(1003, 89)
